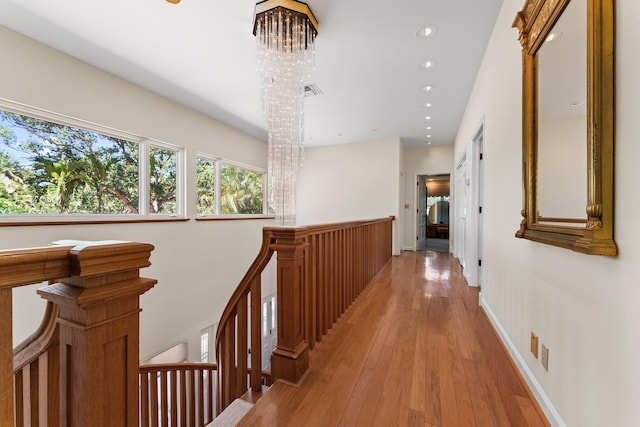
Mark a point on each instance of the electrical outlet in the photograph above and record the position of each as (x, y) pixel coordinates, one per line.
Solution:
(545, 357)
(534, 345)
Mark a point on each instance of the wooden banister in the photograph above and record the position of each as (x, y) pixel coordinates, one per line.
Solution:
(178, 394)
(81, 366)
(321, 270)
(232, 381)
(20, 267)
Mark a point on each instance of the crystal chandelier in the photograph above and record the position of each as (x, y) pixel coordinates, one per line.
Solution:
(285, 31)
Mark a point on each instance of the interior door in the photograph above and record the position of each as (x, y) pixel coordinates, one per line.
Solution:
(461, 212)
(421, 212)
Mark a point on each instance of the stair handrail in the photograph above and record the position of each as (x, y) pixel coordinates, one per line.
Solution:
(86, 278)
(232, 379)
(294, 245)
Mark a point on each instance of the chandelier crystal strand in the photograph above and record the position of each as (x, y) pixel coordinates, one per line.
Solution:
(285, 46)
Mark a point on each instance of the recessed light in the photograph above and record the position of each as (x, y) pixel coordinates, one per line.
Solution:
(428, 64)
(425, 32)
(428, 142)
(428, 88)
(427, 117)
(429, 136)
(428, 127)
(427, 105)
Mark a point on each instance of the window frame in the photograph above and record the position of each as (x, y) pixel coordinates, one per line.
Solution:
(218, 162)
(144, 179)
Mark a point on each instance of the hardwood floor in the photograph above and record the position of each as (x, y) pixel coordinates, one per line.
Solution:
(415, 349)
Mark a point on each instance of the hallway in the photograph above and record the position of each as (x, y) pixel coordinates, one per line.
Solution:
(414, 349)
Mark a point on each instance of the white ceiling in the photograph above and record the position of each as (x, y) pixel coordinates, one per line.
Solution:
(201, 53)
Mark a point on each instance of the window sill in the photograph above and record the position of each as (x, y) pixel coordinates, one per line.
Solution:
(237, 217)
(15, 222)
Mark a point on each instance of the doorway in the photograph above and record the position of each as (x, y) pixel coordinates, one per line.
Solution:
(469, 208)
(433, 212)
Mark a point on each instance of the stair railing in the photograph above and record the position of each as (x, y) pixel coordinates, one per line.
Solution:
(178, 394)
(80, 367)
(321, 270)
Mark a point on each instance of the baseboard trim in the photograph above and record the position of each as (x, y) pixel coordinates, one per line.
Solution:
(536, 390)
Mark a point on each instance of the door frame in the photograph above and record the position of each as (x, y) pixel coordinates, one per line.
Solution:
(416, 200)
(469, 236)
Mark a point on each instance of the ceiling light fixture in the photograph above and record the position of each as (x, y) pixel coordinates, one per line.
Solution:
(425, 32)
(428, 64)
(427, 105)
(428, 88)
(285, 31)
(427, 117)
(428, 128)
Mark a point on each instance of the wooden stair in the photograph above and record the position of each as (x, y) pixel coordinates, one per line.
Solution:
(232, 414)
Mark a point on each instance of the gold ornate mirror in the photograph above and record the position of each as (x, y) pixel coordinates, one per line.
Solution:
(568, 123)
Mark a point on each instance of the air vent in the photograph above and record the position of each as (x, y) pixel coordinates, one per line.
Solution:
(312, 90)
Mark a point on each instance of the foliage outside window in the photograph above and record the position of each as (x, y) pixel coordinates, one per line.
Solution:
(241, 190)
(225, 188)
(50, 168)
(206, 178)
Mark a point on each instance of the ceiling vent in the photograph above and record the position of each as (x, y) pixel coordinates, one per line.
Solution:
(312, 90)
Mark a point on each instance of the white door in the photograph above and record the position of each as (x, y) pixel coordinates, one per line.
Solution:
(479, 191)
(461, 212)
(473, 250)
(421, 213)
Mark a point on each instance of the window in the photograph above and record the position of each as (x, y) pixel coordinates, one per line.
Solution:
(227, 188)
(52, 165)
(207, 344)
(204, 347)
(241, 190)
(206, 171)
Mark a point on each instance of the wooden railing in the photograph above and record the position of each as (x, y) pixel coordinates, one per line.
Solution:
(80, 368)
(178, 395)
(36, 365)
(321, 270)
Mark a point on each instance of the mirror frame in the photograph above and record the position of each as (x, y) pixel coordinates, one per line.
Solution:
(534, 22)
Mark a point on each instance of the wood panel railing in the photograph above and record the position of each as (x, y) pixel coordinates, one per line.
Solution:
(36, 366)
(80, 367)
(342, 259)
(321, 270)
(178, 395)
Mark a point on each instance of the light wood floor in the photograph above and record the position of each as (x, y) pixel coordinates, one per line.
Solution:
(413, 350)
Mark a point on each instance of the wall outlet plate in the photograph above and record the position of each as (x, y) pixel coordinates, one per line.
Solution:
(545, 357)
(534, 345)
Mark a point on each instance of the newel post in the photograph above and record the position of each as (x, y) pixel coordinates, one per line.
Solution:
(290, 358)
(99, 333)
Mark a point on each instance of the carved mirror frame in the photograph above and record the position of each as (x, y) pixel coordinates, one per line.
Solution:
(595, 237)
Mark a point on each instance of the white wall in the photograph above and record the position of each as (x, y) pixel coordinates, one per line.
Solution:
(349, 182)
(197, 264)
(432, 160)
(584, 308)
